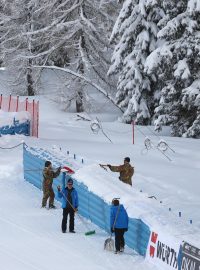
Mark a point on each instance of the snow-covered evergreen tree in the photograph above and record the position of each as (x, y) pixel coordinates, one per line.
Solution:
(177, 63)
(135, 33)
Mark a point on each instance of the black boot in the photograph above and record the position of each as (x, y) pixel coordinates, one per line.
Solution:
(52, 206)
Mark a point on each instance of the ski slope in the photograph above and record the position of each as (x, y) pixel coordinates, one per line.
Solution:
(31, 237)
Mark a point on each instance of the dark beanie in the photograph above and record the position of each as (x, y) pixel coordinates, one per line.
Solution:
(127, 159)
(70, 181)
(47, 163)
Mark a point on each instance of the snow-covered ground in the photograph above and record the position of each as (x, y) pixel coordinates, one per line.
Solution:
(31, 237)
(6, 118)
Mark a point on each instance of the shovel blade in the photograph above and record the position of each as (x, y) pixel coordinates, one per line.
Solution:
(109, 244)
(90, 232)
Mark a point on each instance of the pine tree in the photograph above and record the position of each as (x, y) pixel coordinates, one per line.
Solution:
(135, 34)
(176, 61)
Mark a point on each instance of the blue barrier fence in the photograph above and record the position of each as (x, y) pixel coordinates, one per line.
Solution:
(16, 128)
(91, 206)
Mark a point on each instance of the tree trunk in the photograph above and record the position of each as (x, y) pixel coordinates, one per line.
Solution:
(80, 69)
(79, 102)
(29, 76)
(30, 87)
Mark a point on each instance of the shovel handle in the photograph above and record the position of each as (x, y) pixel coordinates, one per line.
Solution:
(103, 166)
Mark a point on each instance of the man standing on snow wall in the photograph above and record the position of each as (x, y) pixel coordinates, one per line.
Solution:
(126, 171)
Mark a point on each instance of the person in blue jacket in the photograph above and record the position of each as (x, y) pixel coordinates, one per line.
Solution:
(69, 197)
(118, 224)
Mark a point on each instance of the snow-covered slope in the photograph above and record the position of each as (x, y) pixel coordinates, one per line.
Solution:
(31, 237)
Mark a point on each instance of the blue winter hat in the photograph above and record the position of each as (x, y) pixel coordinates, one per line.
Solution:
(70, 181)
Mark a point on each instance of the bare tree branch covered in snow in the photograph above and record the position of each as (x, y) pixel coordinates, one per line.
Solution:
(84, 79)
(64, 33)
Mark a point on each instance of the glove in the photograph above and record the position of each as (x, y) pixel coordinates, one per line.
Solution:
(59, 168)
(126, 229)
(59, 189)
(112, 230)
(108, 165)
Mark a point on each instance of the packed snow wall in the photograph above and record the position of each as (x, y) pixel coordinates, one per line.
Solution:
(91, 206)
(15, 123)
(16, 128)
(19, 104)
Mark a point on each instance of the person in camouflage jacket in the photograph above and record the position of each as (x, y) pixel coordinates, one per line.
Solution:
(126, 171)
(48, 175)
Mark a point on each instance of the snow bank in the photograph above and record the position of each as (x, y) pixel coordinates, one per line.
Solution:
(7, 118)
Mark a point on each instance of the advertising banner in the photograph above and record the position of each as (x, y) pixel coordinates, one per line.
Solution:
(189, 257)
(163, 251)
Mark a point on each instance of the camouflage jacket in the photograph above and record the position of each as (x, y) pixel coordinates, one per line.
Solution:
(126, 172)
(48, 175)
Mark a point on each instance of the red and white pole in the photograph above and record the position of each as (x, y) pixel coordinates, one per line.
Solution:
(9, 103)
(17, 105)
(1, 98)
(37, 118)
(26, 105)
(33, 119)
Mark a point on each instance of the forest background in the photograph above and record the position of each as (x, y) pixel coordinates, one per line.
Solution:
(143, 55)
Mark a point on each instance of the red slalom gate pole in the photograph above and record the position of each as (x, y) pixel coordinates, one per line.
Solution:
(33, 119)
(1, 97)
(9, 103)
(37, 118)
(26, 104)
(17, 104)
